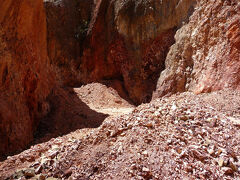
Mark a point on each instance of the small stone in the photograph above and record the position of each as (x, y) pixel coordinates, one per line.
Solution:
(22, 159)
(183, 154)
(39, 169)
(211, 152)
(145, 153)
(120, 149)
(226, 162)
(42, 177)
(232, 153)
(209, 119)
(179, 150)
(207, 142)
(53, 154)
(51, 178)
(212, 122)
(145, 169)
(174, 107)
(169, 141)
(35, 164)
(67, 173)
(183, 118)
(18, 174)
(198, 155)
(219, 152)
(149, 125)
(188, 168)
(191, 117)
(233, 166)
(221, 162)
(75, 147)
(134, 166)
(55, 147)
(29, 173)
(227, 170)
(123, 134)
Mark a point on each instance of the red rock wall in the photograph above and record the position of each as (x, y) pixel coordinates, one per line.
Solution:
(206, 55)
(25, 80)
(126, 41)
(129, 40)
(67, 22)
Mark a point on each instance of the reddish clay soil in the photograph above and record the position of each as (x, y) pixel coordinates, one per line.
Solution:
(77, 108)
(102, 99)
(184, 136)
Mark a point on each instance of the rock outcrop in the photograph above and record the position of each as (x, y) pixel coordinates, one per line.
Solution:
(206, 55)
(67, 23)
(129, 40)
(119, 40)
(25, 79)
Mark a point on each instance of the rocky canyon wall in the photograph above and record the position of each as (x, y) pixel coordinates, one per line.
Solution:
(67, 23)
(206, 55)
(122, 41)
(129, 41)
(25, 77)
(126, 42)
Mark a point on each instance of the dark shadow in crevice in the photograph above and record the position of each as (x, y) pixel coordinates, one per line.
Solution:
(118, 85)
(67, 114)
(184, 21)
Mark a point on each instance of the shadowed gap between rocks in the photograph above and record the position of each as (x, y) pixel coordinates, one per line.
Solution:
(68, 113)
(118, 85)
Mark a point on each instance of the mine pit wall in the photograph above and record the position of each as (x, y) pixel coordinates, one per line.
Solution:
(130, 40)
(126, 41)
(26, 78)
(206, 55)
(108, 40)
(67, 23)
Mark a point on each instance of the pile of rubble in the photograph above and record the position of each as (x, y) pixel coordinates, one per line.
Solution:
(184, 136)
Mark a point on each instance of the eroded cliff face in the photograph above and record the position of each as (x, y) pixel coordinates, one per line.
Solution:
(129, 40)
(206, 55)
(67, 23)
(117, 40)
(25, 80)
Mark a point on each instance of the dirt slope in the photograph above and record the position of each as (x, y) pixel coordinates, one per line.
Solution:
(184, 136)
(102, 99)
(77, 108)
